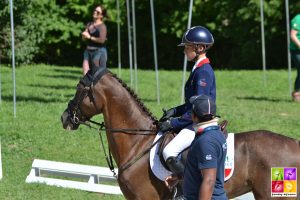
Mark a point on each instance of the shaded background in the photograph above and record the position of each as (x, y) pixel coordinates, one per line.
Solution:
(48, 31)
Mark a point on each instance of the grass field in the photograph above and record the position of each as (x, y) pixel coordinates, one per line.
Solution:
(44, 91)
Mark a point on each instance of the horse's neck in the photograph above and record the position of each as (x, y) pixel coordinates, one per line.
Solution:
(122, 111)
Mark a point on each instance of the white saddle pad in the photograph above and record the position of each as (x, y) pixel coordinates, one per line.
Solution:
(161, 173)
(157, 168)
(229, 161)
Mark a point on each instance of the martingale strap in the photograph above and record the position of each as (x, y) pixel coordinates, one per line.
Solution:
(109, 158)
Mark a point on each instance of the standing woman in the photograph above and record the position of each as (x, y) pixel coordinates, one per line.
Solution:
(95, 54)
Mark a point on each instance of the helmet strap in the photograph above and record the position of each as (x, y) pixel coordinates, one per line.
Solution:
(198, 52)
(196, 57)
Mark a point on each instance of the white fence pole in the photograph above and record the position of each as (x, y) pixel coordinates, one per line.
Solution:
(185, 59)
(263, 46)
(155, 50)
(0, 162)
(13, 56)
(287, 13)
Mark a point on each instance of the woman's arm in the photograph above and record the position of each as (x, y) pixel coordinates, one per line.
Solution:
(85, 34)
(294, 37)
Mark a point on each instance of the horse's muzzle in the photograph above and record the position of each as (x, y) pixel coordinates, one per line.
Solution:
(67, 122)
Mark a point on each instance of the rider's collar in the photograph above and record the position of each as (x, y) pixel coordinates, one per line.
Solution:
(200, 62)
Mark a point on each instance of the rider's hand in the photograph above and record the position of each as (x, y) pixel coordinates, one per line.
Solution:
(165, 126)
(171, 181)
(167, 114)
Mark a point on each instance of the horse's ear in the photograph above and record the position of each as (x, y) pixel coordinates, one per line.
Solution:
(223, 125)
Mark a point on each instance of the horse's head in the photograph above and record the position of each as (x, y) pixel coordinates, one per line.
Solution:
(107, 94)
(80, 109)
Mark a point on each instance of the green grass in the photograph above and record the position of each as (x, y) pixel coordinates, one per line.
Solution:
(44, 91)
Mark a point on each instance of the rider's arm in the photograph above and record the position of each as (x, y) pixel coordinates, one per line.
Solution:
(204, 83)
(180, 123)
(180, 110)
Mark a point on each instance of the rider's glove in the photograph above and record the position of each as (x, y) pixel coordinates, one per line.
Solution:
(168, 114)
(165, 126)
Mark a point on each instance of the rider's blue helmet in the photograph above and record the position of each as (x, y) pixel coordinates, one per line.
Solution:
(197, 35)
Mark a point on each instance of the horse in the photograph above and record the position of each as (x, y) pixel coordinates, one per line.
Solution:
(131, 129)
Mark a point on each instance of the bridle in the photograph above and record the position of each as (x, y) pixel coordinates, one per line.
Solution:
(76, 118)
(74, 112)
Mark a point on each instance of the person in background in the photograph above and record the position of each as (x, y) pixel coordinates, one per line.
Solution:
(204, 170)
(95, 33)
(295, 54)
(196, 41)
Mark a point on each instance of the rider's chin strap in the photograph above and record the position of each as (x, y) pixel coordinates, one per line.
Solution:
(206, 47)
(198, 53)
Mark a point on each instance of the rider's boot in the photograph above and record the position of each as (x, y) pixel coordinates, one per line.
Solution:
(177, 168)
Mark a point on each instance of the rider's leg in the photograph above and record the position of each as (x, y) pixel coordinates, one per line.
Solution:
(182, 141)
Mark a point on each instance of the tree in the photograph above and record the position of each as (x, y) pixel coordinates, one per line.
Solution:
(49, 31)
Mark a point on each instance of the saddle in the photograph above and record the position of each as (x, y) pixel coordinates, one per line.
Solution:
(168, 136)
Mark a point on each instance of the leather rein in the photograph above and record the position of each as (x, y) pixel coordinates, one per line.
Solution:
(108, 157)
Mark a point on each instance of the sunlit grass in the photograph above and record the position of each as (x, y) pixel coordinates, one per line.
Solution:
(44, 91)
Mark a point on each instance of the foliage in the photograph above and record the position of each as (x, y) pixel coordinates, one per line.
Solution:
(49, 31)
(44, 91)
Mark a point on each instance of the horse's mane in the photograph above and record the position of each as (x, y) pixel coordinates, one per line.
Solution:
(135, 97)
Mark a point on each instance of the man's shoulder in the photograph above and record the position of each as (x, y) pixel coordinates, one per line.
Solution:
(297, 17)
(295, 23)
(212, 136)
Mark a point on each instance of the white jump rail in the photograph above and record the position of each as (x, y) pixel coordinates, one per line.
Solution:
(94, 175)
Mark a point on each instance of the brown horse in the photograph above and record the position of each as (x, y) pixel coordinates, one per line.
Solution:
(124, 114)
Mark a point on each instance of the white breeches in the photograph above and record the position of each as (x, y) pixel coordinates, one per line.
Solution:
(182, 140)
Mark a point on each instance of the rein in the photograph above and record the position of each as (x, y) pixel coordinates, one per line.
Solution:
(109, 159)
(123, 130)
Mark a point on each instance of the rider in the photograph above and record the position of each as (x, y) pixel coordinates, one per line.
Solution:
(196, 40)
